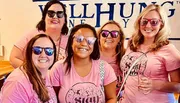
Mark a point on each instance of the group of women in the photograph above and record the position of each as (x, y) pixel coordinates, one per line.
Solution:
(92, 66)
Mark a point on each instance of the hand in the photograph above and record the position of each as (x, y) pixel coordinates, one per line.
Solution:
(145, 84)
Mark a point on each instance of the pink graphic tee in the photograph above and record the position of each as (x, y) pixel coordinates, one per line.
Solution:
(154, 65)
(22, 42)
(77, 89)
(18, 89)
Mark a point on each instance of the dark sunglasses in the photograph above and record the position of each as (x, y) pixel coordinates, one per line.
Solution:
(38, 50)
(52, 13)
(89, 40)
(153, 22)
(105, 33)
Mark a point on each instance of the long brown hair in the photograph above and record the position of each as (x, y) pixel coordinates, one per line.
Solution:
(33, 73)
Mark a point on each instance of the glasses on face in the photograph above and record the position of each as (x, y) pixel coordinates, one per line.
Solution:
(105, 33)
(89, 40)
(153, 22)
(38, 50)
(52, 13)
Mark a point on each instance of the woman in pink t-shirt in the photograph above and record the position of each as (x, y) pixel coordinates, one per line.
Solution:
(111, 41)
(30, 83)
(53, 23)
(83, 77)
(154, 77)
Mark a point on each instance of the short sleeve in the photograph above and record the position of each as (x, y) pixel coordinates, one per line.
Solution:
(110, 75)
(14, 92)
(55, 74)
(172, 58)
(22, 42)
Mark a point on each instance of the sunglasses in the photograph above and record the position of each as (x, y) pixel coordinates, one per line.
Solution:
(38, 50)
(89, 40)
(153, 22)
(105, 33)
(52, 13)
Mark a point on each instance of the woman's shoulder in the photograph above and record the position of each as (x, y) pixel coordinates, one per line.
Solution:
(100, 62)
(169, 52)
(58, 66)
(29, 34)
(105, 70)
(59, 63)
(33, 32)
(169, 48)
(17, 77)
(18, 86)
(15, 74)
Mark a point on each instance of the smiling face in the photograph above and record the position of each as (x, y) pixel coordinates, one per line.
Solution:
(54, 23)
(82, 48)
(149, 31)
(42, 61)
(109, 42)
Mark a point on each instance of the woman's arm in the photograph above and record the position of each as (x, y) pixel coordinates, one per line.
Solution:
(165, 86)
(110, 92)
(172, 86)
(16, 57)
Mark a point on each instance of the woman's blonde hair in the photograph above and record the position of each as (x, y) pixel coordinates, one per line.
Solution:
(161, 38)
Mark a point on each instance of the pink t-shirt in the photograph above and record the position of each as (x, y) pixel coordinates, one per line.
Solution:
(22, 42)
(77, 89)
(115, 66)
(18, 89)
(154, 65)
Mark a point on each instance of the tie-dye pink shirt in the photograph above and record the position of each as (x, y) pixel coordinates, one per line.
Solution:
(154, 65)
(77, 89)
(22, 42)
(18, 89)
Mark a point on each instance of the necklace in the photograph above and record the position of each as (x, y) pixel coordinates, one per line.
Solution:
(144, 48)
